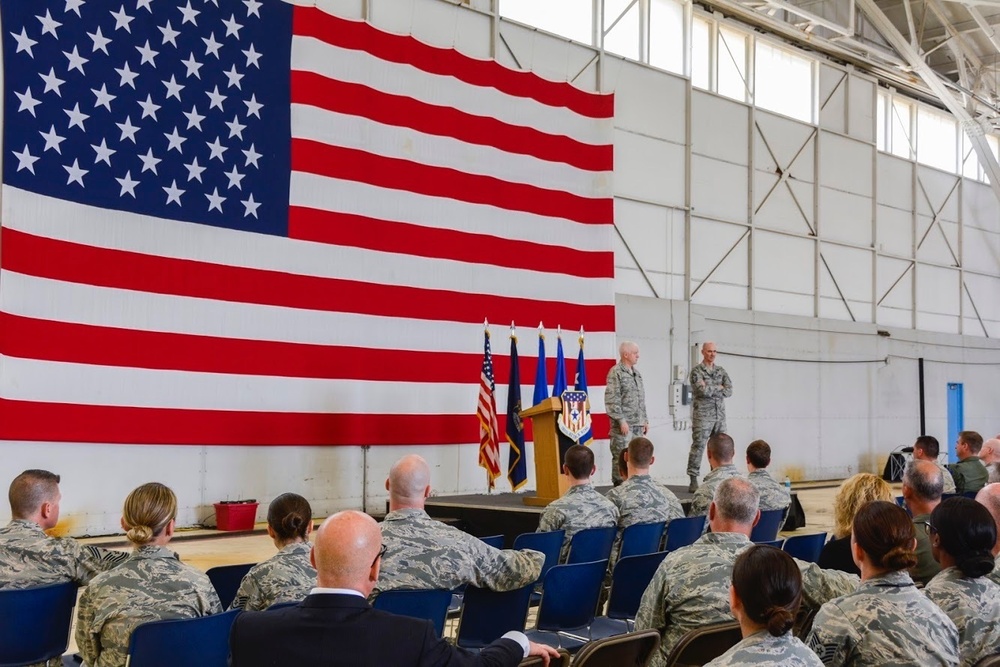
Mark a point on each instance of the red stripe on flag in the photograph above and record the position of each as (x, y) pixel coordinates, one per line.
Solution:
(77, 263)
(352, 164)
(310, 224)
(359, 36)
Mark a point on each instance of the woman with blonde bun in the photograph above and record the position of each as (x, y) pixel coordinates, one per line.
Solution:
(886, 621)
(764, 596)
(152, 585)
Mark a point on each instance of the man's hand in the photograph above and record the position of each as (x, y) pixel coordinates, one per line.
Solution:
(546, 653)
(623, 427)
(645, 429)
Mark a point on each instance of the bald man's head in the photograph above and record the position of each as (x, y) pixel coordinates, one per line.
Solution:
(990, 453)
(409, 483)
(346, 550)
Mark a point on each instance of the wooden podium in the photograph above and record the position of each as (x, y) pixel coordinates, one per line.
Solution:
(549, 483)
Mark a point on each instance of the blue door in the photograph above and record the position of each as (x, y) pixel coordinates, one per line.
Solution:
(956, 419)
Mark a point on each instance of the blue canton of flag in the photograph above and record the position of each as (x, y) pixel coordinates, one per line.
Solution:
(152, 107)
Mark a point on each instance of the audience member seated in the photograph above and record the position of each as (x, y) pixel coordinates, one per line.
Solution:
(152, 585)
(989, 497)
(581, 506)
(623, 464)
(773, 496)
(990, 452)
(691, 586)
(962, 535)
(926, 448)
(854, 493)
(886, 621)
(720, 451)
(423, 553)
(969, 473)
(922, 485)
(287, 576)
(765, 596)
(29, 557)
(993, 473)
(336, 627)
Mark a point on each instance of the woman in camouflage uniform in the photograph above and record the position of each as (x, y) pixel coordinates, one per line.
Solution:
(152, 585)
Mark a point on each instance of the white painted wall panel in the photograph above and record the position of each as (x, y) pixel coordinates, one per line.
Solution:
(646, 230)
(981, 250)
(894, 229)
(937, 193)
(718, 189)
(846, 164)
(833, 98)
(647, 101)
(784, 145)
(783, 263)
(895, 182)
(980, 207)
(786, 206)
(548, 56)
(933, 243)
(718, 294)
(713, 242)
(937, 290)
(649, 169)
(845, 217)
(719, 128)
(353, 9)
(861, 108)
(894, 285)
(985, 293)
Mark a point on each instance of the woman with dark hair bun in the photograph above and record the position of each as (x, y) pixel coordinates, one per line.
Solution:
(962, 535)
(887, 621)
(764, 596)
(288, 575)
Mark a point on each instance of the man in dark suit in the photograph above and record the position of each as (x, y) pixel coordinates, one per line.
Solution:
(335, 626)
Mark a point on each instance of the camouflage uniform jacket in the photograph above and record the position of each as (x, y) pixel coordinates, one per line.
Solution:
(639, 499)
(773, 496)
(427, 554)
(887, 621)
(29, 557)
(691, 588)
(994, 576)
(973, 605)
(762, 648)
(625, 397)
(287, 576)
(949, 481)
(580, 507)
(970, 474)
(709, 387)
(152, 585)
(703, 496)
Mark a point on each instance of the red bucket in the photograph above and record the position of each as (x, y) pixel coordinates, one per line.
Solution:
(235, 516)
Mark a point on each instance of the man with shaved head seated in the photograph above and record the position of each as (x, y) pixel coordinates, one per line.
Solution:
(720, 452)
(424, 553)
(336, 627)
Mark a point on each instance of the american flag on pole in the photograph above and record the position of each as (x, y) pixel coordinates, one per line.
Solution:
(258, 223)
(489, 430)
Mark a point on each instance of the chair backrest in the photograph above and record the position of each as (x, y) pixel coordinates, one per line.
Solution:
(35, 622)
(226, 579)
(200, 641)
(777, 544)
(989, 661)
(536, 661)
(487, 615)
(570, 594)
(642, 538)
(429, 604)
(635, 648)
(629, 581)
(704, 644)
(591, 544)
(767, 528)
(495, 541)
(549, 543)
(684, 531)
(805, 547)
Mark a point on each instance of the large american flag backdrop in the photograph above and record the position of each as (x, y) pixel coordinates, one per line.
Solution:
(257, 223)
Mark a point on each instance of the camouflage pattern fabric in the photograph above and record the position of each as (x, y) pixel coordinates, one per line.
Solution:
(969, 474)
(710, 386)
(691, 588)
(973, 605)
(949, 481)
(287, 576)
(886, 622)
(29, 557)
(926, 566)
(773, 495)
(624, 399)
(762, 648)
(994, 576)
(152, 585)
(640, 499)
(581, 507)
(703, 496)
(426, 554)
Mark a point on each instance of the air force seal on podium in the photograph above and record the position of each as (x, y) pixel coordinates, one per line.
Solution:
(574, 421)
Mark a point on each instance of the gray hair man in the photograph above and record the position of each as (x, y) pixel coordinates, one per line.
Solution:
(625, 403)
(922, 488)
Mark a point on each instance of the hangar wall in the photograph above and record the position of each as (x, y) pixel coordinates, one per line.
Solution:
(778, 239)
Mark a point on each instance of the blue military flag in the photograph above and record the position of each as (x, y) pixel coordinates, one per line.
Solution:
(581, 385)
(559, 384)
(517, 467)
(541, 375)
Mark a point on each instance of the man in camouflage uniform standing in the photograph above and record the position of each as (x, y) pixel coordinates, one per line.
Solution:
(710, 384)
(773, 496)
(690, 588)
(582, 506)
(426, 554)
(721, 450)
(625, 403)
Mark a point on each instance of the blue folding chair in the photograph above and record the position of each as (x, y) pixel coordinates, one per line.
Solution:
(631, 576)
(487, 615)
(591, 544)
(495, 541)
(771, 543)
(684, 531)
(642, 538)
(549, 543)
(429, 604)
(35, 622)
(568, 603)
(227, 579)
(200, 641)
(767, 528)
(805, 547)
